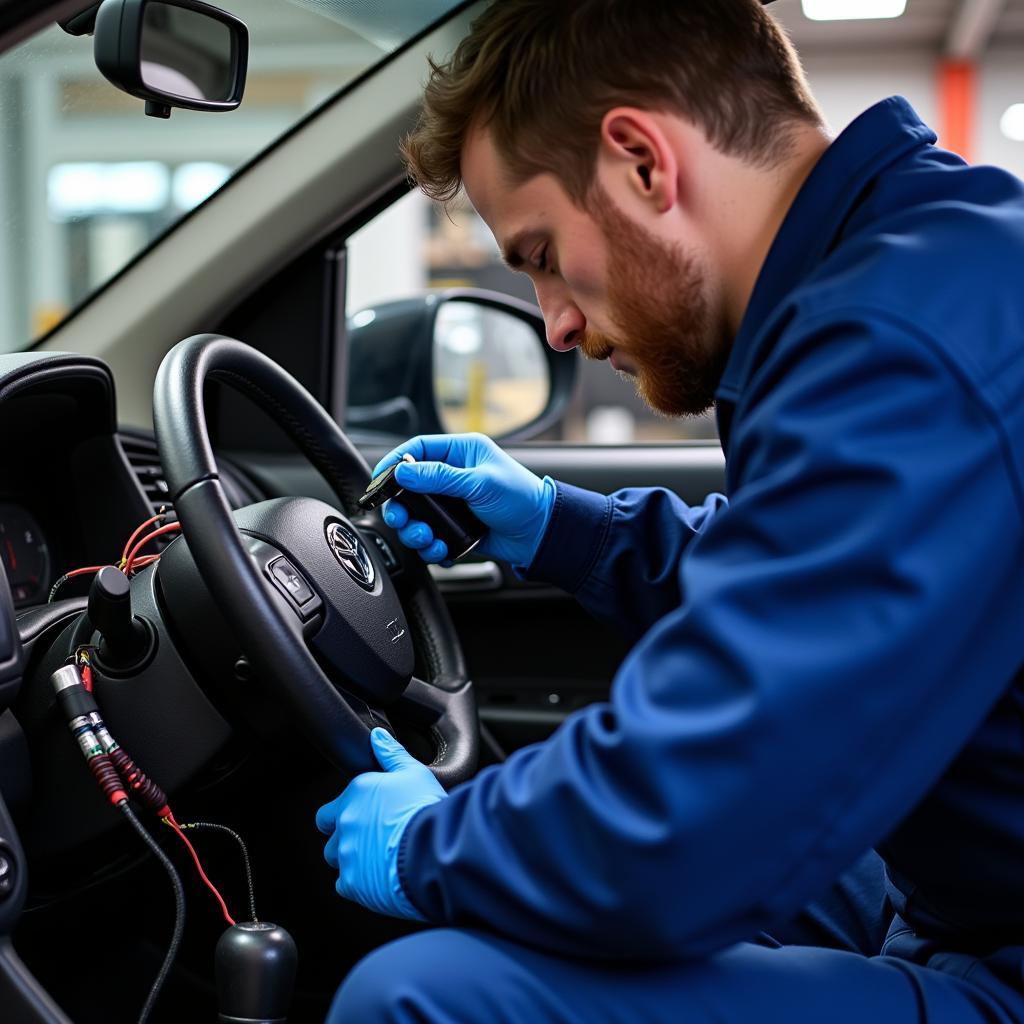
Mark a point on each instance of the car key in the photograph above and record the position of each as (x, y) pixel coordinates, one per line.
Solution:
(450, 518)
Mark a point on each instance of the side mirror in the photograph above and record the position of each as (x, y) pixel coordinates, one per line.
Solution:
(454, 361)
(172, 53)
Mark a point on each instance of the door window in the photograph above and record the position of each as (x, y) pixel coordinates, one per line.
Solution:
(416, 245)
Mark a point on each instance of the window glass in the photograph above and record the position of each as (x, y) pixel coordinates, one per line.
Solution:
(415, 245)
(87, 181)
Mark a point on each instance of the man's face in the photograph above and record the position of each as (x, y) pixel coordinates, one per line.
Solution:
(605, 284)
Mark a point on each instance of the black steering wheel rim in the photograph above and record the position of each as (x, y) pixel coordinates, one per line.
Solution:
(337, 722)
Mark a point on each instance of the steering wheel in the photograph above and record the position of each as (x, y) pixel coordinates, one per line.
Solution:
(310, 599)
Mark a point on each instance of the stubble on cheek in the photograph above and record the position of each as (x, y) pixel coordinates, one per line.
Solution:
(657, 300)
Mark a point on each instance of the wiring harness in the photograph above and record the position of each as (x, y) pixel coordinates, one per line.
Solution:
(132, 559)
(120, 778)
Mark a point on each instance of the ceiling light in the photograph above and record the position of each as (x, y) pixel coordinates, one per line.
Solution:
(1012, 122)
(91, 189)
(850, 10)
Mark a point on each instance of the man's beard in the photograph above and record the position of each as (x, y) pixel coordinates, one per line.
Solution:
(658, 304)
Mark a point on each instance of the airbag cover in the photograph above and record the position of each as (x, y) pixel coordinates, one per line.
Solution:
(364, 642)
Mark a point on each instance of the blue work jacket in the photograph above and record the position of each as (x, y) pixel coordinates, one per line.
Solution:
(828, 660)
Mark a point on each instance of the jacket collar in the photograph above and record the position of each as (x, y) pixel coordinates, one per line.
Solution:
(816, 221)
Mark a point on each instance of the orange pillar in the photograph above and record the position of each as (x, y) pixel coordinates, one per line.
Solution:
(957, 91)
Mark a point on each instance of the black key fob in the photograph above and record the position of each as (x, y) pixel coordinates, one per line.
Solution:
(450, 518)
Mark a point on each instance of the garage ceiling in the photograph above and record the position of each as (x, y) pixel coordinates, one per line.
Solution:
(927, 25)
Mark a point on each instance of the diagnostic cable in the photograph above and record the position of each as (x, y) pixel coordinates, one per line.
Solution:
(84, 721)
(255, 962)
(84, 717)
(213, 825)
(179, 909)
(118, 776)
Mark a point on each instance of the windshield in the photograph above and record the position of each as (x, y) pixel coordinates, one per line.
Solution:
(88, 181)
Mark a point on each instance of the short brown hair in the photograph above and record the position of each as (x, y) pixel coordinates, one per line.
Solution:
(541, 75)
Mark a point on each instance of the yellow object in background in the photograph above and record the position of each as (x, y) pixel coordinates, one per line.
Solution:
(46, 316)
(476, 397)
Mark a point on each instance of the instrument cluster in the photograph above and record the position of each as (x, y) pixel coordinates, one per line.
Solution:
(25, 554)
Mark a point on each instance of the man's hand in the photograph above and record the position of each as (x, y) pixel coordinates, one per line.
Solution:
(366, 822)
(504, 495)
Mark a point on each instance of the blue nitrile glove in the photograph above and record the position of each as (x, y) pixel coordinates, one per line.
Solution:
(515, 503)
(366, 822)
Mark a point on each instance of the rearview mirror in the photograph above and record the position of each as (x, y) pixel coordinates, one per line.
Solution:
(454, 361)
(172, 53)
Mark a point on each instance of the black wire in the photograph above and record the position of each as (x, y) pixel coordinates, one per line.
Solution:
(245, 857)
(179, 910)
(60, 583)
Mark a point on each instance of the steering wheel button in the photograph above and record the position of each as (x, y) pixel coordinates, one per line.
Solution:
(290, 582)
(390, 562)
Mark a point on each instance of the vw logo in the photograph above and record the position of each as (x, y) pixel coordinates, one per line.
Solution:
(349, 550)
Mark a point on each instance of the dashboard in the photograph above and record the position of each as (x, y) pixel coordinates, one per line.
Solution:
(73, 486)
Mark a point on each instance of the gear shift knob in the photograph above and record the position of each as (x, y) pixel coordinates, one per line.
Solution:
(254, 965)
(123, 638)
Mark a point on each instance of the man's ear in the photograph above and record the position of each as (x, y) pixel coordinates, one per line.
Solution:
(634, 145)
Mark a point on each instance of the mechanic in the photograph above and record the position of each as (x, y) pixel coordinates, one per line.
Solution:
(826, 662)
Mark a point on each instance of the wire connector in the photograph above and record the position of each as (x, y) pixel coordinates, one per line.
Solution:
(80, 710)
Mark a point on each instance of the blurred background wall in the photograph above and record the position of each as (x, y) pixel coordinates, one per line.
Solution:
(87, 181)
(959, 62)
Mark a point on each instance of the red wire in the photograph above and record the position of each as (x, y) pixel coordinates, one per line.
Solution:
(138, 530)
(169, 818)
(143, 560)
(169, 528)
(125, 556)
(69, 575)
(79, 572)
(87, 678)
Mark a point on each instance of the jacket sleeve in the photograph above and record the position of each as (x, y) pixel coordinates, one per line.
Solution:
(619, 554)
(848, 621)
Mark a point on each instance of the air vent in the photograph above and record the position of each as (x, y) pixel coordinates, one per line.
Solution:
(142, 456)
(141, 452)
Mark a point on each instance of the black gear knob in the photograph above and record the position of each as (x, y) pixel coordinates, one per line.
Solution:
(124, 639)
(254, 964)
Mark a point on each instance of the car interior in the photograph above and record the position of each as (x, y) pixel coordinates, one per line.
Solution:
(191, 588)
(200, 428)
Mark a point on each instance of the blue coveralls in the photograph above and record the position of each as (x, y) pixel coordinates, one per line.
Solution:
(827, 662)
